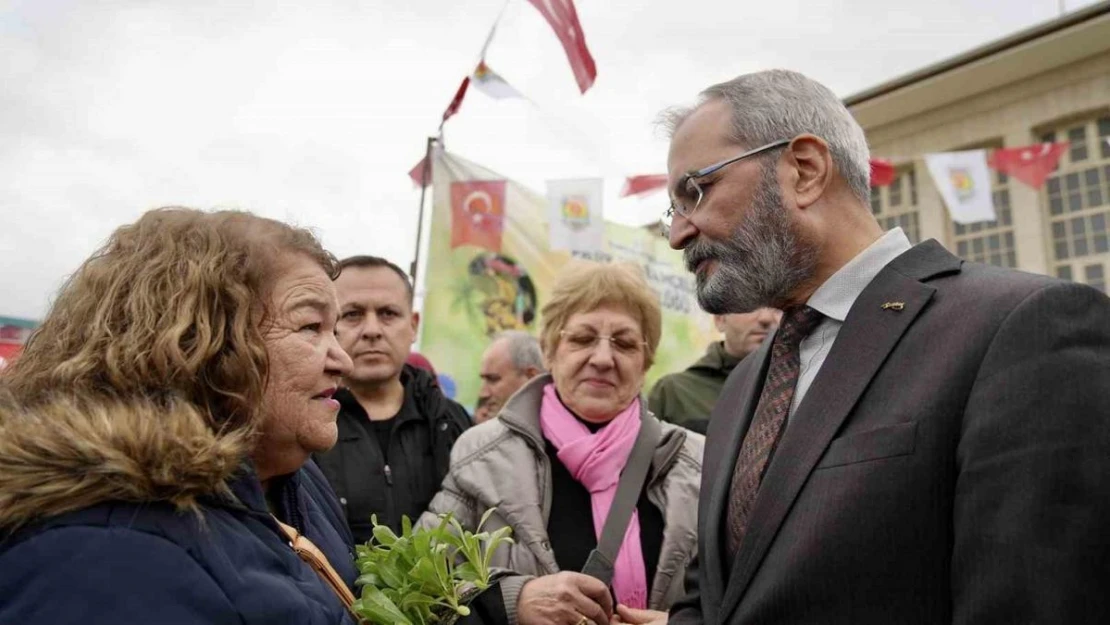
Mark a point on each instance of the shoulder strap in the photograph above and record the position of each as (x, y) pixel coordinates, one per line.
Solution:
(314, 558)
(600, 562)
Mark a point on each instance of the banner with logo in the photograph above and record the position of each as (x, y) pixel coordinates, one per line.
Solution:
(477, 284)
(574, 215)
(964, 181)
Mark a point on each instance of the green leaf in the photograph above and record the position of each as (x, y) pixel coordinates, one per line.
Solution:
(369, 579)
(384, 535)
(485, 517)
(381, 609)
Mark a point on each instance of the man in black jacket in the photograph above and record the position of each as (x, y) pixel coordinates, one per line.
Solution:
(396, 428)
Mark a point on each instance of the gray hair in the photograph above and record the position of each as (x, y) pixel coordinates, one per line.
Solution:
(524, 349)
(779, 104)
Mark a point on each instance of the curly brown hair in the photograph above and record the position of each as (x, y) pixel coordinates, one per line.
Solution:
(168, 310)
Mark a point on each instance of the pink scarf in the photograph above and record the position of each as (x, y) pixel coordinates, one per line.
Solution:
(596, 461)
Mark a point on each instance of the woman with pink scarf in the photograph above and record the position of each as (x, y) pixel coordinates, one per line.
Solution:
(550, 464)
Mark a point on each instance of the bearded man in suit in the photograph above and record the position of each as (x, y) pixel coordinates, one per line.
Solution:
(924, 440)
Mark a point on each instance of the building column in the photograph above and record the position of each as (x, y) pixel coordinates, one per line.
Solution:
(931, 214)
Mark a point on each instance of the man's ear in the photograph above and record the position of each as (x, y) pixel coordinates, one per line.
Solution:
(415, 325)
(531, 372)
(814, 168)
(719, 323)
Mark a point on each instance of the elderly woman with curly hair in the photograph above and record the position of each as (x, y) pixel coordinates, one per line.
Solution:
(155, 434)
(551, 464)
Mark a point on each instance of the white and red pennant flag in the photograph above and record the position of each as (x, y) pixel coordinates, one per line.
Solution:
(964, 181)
(492, 84)
(574, 215)
(562, 17)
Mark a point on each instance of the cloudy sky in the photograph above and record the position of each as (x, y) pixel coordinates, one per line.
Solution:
(313, 111)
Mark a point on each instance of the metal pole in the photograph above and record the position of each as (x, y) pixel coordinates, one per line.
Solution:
(425, 179)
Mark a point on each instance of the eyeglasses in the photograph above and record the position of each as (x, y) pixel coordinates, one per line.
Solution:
(581, 341)
(692, 193)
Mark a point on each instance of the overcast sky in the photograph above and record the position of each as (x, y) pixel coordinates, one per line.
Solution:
(313, 111)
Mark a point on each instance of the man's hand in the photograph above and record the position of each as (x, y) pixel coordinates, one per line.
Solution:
(564, 599)
(632, 616)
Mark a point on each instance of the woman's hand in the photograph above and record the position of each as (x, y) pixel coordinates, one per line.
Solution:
(564, 599)
(632, 616)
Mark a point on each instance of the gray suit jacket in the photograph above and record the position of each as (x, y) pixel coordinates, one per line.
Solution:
(949, 464)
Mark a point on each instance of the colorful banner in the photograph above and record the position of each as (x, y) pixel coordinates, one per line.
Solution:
(472, 292)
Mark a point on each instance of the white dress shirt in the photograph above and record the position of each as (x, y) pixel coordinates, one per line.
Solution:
(834, 299)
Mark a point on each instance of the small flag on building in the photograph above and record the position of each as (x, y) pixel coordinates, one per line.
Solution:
(478, 213)
(1031, 164)
(492, 84)
(563, 18)
(964, 181)
(574, 215)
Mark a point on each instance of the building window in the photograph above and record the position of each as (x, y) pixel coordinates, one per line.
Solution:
(1095, 276)
(895, 206)
(990, 242)
(1076, 200)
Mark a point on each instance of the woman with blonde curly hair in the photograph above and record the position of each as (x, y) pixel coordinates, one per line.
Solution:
(155, 434)
(556, 461)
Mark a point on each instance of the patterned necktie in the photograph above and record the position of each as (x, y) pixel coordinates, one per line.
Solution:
(767, 424)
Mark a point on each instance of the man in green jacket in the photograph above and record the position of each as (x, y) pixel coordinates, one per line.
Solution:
(686, 398)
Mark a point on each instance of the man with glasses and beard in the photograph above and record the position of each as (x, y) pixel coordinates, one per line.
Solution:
(924, 440)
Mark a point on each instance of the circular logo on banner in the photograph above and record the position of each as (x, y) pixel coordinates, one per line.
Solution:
(576, 212)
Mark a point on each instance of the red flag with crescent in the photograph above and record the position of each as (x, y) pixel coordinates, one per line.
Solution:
(478, 213)
(1031, 164)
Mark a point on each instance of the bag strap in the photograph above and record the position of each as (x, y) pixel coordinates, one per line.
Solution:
(311, 555)
(600, 562)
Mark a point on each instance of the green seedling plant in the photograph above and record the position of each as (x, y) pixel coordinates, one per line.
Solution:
(425, 576)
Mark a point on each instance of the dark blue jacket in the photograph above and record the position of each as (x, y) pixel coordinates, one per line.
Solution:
(121, 563)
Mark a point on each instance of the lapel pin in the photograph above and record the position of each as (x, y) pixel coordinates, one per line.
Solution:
(894, 305)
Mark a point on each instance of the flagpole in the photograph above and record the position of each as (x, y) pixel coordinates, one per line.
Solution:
(424, 179)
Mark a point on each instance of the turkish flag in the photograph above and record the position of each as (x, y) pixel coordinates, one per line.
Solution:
(882, 172)
(478, 213)
(562, 17)
(637, 185)
(1031, 164)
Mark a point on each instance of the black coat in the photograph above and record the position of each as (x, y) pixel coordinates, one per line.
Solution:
(948, 465)
(419, 456)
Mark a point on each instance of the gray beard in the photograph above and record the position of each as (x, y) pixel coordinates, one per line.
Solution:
(761, 265)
